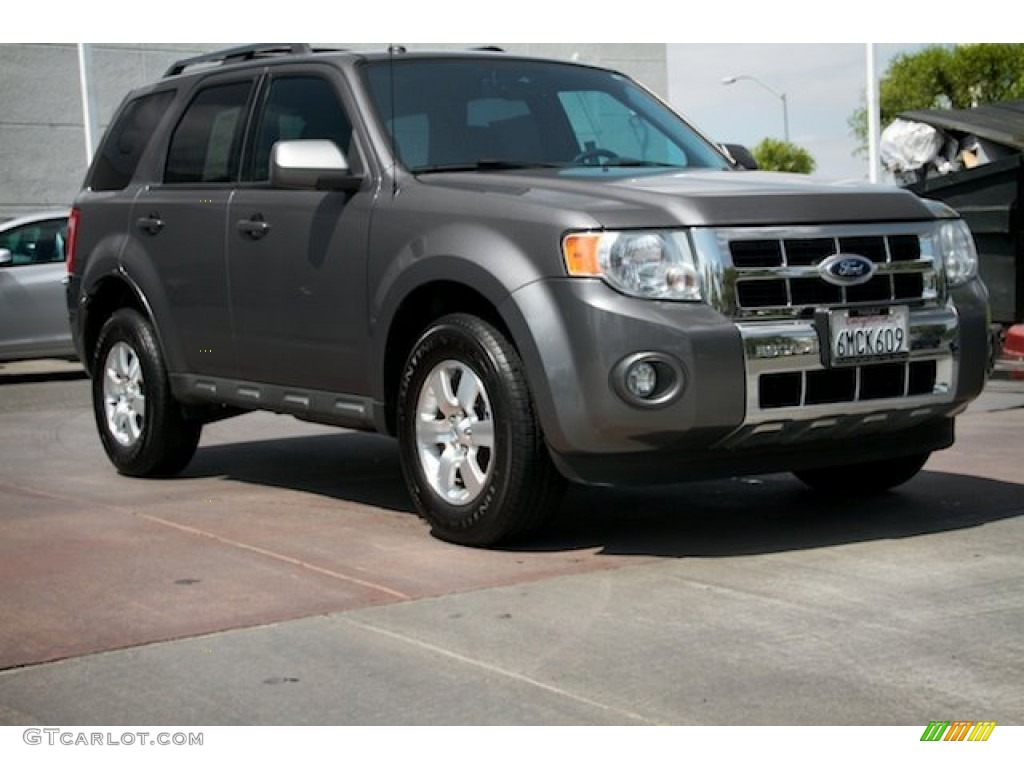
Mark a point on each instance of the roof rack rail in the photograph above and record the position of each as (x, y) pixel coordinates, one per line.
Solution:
(241, 53)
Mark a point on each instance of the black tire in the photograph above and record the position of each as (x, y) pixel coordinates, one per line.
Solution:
(141, 425)
(475, 461)
(863, 479)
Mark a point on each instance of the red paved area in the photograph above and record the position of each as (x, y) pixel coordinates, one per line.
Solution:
(274, 520)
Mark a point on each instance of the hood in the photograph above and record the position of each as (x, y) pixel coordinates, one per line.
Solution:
(631, 197)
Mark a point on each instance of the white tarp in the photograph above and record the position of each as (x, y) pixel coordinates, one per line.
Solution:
(908, 146)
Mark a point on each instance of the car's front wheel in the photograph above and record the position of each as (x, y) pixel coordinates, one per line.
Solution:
(472, 450)
(141, 426)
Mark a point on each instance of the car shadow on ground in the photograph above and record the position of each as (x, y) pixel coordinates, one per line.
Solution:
(7, 376)
(773, 513)
(357, 467)
(721, 518)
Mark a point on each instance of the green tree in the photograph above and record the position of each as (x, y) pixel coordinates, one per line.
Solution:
(778, 155)
(946, 77)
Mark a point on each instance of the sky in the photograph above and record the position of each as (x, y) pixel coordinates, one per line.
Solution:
(813, 52)
(823, 84)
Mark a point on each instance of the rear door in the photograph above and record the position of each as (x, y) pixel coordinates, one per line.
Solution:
(178, 226)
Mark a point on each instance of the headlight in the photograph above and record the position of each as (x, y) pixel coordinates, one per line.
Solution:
(650, 264)
(959, 256)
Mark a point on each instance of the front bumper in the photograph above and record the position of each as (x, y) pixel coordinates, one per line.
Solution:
(573, 334)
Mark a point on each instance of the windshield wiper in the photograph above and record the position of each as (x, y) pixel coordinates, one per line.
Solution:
(632, 162)
(485, 164)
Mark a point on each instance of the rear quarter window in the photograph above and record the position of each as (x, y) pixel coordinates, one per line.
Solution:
(126, 140)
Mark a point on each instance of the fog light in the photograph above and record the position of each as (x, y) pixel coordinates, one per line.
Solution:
(648, 379)
(641, 379)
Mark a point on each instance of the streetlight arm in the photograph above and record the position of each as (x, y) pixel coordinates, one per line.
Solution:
(732, 79)
(736, 78)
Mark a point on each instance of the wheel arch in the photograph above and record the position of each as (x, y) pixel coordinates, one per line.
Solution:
(111, 293)
(417, 310)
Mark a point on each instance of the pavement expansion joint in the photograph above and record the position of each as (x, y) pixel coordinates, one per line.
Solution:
(393, 593)
(275, 555)
(507, 673)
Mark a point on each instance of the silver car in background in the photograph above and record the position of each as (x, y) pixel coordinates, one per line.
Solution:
(33, 308)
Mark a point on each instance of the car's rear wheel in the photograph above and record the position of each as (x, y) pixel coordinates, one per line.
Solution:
(866, 478)
(141, 425)
(472, 450)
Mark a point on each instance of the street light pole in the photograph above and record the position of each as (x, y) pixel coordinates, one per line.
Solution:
(873, 119)
(780, 96)
(88, 100)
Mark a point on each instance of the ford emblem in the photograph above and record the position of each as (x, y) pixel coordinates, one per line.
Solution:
(844, 269)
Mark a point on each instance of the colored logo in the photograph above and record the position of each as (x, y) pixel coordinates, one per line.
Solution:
(958, 730)
(844, 269)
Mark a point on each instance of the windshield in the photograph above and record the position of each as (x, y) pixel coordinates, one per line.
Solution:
(470, 113)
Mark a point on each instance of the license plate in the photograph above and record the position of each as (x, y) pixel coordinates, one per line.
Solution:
(862, 335)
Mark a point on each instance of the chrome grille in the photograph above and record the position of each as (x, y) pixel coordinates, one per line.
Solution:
(805, 252)
(773, 272)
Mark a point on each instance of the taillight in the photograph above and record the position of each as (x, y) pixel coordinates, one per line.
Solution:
(71, 239)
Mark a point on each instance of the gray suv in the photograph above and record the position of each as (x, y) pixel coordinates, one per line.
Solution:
(527, 271)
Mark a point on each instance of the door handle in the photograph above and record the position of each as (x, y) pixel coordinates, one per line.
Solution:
(254, 228)
(151, 224)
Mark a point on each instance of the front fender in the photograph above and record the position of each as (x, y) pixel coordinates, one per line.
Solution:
(452, 262)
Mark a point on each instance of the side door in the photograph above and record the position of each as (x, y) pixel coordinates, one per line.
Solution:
(178, 227)
(297, 261)
(33, 313)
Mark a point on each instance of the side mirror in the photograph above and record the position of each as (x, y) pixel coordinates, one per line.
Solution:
(311, 164)
(740, 156)
(6, 257)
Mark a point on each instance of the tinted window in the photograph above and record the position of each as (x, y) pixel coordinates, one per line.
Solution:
(411, 134)
(602, 122)
(206, 144)
(41, 242)
(124, 143)
(459, 112)
(298, 108)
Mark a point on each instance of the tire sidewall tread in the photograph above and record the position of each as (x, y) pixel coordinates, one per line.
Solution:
(167, 441)
(524, 487)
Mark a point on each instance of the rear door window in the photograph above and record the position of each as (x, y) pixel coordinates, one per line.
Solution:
(206, 145)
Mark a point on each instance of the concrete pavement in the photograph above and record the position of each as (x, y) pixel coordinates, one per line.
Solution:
(284, 580)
